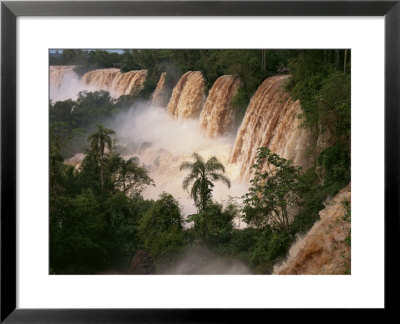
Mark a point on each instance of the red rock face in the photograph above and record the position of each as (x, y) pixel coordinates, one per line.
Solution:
(324, 249)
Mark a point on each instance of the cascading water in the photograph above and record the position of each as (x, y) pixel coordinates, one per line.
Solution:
(114, 81)
(271, 121)
(163, 142)
(160, 98)
(58, 73)
(163, 139)
(100, 79)
(217, 115)
(64, 82)
(188, 96)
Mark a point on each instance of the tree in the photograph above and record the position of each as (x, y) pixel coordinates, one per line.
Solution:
(202, 174)
(123, 237)
(215, 223)
(77, 231)
(99, 141)
(273, 191)
(61, 135)
(131, 177)
(161, 228)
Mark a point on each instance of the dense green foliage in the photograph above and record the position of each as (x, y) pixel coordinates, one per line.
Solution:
(71, 119)
(98, 217)
(93, 223)
(161, 229)
(321, 81)
(86, 60)
(273, 192)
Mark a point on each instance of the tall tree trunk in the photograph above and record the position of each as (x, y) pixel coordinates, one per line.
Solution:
(203, 202)
(102, 176)
(263, 60)
(102, 146)
(337, 57)
(52, 185)
(345, 60)
(123, 182)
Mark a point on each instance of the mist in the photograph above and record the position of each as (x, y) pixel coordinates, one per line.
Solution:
(162, 143)
(64, 83)
(199, 260)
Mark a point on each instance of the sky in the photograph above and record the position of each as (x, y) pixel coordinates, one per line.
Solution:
(119, 51)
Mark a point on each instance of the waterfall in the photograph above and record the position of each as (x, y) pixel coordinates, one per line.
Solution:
(160, 98)
(163, 142)
(271, 121)
(217, 115)
(114, 81)
(188, 96)
(64, 82)
(58, 73)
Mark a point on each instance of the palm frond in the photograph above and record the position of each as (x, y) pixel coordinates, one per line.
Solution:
(109, 131)
(108, 141)
(187, 181)
(220, 177)
(186, 166)
(198, 157)
(214, 165)
(198, 168)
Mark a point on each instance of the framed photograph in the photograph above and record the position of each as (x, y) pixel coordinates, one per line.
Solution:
(197, 160)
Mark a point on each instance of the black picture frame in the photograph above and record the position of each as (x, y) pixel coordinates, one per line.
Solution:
(11, 10)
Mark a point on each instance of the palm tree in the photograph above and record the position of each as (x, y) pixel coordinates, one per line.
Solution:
(101, 139)
(98, 143)
(202, 174)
